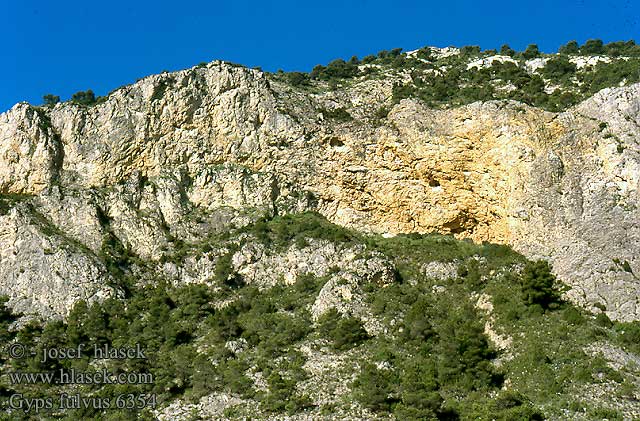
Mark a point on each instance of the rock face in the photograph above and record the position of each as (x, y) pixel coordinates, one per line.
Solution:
(43, 270)
(179, 155)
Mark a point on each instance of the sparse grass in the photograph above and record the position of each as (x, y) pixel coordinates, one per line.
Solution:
(9, 200)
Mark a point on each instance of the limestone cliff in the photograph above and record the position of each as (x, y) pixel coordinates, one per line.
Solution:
(178, 155)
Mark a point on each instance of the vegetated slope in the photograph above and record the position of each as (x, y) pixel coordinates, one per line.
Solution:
(306, 320)
(172, 213)
(445, 77)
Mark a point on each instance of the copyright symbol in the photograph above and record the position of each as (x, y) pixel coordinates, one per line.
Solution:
(17, 350)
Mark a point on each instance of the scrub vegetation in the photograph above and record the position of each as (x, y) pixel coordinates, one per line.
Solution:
(433, 359)
(452, 80)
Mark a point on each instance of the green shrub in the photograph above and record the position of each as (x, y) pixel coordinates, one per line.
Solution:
(603, 320)
(425, 53)
(234, 378)
(50, 100)
(339, 114)
(558, 68)
(280, 392)
(282, 395)
(505, 50)
(507, 405)
(470, 273)
(337, 69)
(369, 59)
(416, 323)
(6, 318)
(570, 48)
(622, 48)
(419, 391)
(373, 388)
(573, 316)
(605, 75)
(225, 272)
(84, 97)
(538, 285)
(463, 351)
(298, 78)
(381, 113)
(592, 47)
(281, 230)
(345, 332)
(8, 201)
(225, 321)
(532, 51)
(272, 331)
(470, 50)
(605, 414)
(629, 335)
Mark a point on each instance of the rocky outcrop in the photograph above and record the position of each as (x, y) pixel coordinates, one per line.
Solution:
(178, 155)
(30, 150)
(44, 271)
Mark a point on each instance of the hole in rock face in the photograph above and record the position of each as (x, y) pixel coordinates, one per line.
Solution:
(461, 223)
(335, 142)
(433, 182)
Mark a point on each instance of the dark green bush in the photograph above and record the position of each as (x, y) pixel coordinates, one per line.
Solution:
(629, 334)
(592, 47)
(50, 100)
(339, 114)
(573, 316)
(298, 78)
(373, 388)
(270, 330)
(558, 68)
(425, 53)
(605, 414)
(416, 323)
(282, 395)
(345, 332)
(507, 406)
(603, 320)
(470, 273)
(505, 50)
(337, 69)
(84, 97)
(6, 318)
(234, 378)
(470, 50)
(532, 51)
(419, 391)
(622, 48)
(225, 273)
(463, 351)
(8, 201)
(537, 285)
(610, 74)
(381, 113)
(369, 59)
(570, 48)
(281, 230)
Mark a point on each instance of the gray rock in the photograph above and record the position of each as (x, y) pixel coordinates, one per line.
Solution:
(43, 271)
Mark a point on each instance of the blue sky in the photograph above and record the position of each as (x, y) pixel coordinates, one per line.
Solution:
(62, 47)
